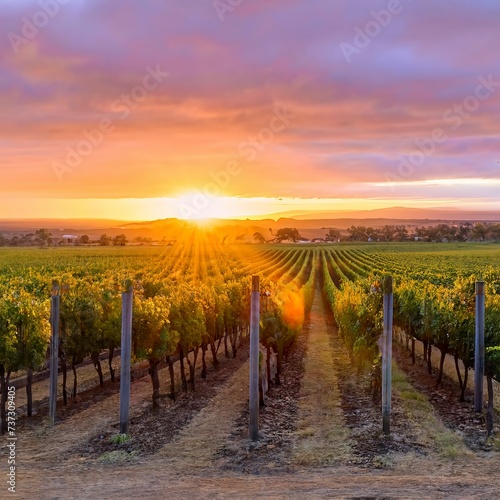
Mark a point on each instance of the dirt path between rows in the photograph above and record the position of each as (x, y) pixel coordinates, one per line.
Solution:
(195, 446)
(324, 417)
(54, 445)
(322, 435)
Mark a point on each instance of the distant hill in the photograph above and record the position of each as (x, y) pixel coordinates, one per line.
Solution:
(310, 224)
(392, 213)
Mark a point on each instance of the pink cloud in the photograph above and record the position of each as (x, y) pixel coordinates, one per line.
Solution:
(352, 121)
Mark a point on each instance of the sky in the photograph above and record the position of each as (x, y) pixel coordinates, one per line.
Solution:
(144, 110)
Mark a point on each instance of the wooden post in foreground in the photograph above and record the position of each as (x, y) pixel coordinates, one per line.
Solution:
(54, 350)
(254, 359)
(479, 348)
(126, 351)
(387, 356)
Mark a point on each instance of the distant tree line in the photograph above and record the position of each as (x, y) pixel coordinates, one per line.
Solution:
(283, 234)
(468, 231)
(43, 238)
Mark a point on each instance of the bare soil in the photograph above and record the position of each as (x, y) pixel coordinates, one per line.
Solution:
(197, 446)
(278, 421)
(152, 429)
(457, 416)
(363, 415)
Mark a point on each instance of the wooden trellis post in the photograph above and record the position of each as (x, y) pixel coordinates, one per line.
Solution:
(54, 350)
(126, 352)
(254, 359)
(387, 356)
(479, 349)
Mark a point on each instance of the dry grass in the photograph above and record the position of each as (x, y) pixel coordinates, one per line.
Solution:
(197, 443)
(322, 436)
(116, 457)
(450, 370)
(432, 433)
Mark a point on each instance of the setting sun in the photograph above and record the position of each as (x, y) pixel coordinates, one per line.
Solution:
(198, 206)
